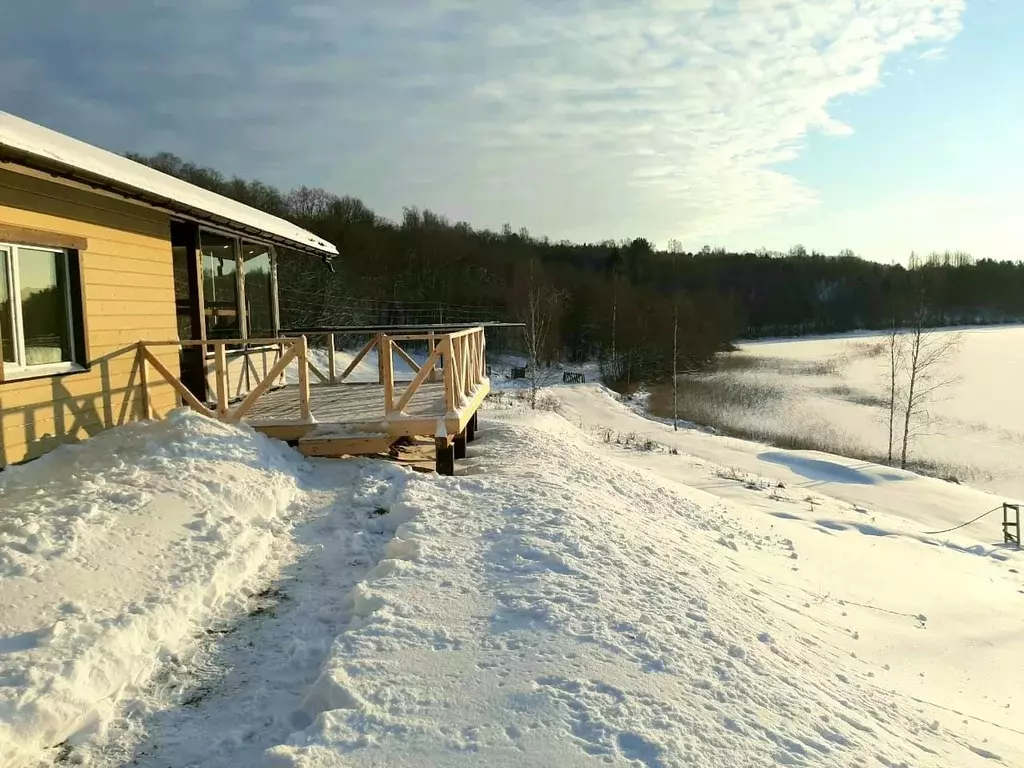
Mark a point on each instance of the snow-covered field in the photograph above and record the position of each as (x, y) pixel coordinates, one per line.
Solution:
(192, 594)
(832, 390)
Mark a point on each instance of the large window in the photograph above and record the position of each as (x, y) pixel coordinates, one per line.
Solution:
(38, 322)
(220, 285)
(259, 290)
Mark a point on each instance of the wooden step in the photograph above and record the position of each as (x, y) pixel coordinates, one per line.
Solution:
(345, 445)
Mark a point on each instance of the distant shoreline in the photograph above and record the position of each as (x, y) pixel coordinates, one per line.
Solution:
(865, 333)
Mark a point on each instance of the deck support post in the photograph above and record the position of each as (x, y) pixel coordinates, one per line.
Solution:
(444, 453)
(471, 429)
(459, 445)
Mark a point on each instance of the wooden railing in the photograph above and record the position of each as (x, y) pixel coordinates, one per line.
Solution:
(460, 355)
(457, 359)
(291, 350)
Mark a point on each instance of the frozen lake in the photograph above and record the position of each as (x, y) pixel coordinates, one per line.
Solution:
(832, 391)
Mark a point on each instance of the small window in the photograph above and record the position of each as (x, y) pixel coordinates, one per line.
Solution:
(40, 329)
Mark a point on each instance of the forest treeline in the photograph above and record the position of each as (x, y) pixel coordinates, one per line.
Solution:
(613, 301)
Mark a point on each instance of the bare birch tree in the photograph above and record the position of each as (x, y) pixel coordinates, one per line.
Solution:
(926, 350)
(895, 343)
(539, 309)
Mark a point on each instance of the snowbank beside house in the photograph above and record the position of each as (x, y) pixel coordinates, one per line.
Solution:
(113, 554)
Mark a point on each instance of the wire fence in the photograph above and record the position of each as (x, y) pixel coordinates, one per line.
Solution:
(299, 307)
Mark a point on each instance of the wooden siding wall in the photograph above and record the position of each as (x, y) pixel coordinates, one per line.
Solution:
(128, 287)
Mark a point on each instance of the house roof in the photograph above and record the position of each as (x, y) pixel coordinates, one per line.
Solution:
(37, 147)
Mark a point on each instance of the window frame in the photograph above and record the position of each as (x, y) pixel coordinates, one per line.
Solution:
(243, 288)
(18, 370)
(241, 305)
(208, 312)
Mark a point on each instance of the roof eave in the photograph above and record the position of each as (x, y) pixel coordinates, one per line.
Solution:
(175, 208)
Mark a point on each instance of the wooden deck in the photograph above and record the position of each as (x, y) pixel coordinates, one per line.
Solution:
(350, 419)
(344, 403)
(338, 417)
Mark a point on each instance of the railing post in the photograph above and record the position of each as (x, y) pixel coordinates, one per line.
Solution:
(483, 355)
(474, 363)
(431, 345)
(304, 411)
(380, 358)
(220, 373)
(387, 373)
(448, 370)
(463, 369)
(332, 371)
(147, 406)
(245, 369)
(455, 360)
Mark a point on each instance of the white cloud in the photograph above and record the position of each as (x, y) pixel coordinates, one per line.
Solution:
(588, 119)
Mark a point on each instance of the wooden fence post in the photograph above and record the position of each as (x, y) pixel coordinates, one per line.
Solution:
(147, 406)
(483, 355)
(448, 370)
(431, 345)
(304, 411)
(221, 374)
(387, 372)
(332, 373)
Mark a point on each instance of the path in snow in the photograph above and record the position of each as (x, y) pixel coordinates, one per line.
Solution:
(240, 689)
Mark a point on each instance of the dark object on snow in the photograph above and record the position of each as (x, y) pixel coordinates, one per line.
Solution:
(573, 378)
(518, 373)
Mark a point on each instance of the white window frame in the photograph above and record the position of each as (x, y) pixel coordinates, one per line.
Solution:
(18, 369)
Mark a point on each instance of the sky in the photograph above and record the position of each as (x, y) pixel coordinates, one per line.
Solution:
(883, 126)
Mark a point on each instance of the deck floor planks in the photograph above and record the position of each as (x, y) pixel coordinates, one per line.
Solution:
(346, 403)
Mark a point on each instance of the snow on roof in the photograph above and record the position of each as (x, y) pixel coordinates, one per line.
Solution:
(89, 163)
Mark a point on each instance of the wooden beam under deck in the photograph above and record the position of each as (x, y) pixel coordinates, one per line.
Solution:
(335, 448)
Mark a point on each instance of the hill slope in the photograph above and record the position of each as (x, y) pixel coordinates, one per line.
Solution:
(570, 601)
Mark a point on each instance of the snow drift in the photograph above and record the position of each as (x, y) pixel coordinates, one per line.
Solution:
(113, 554)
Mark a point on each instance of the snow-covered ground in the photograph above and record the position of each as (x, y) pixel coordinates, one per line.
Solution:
(114, 554)
(563, 600)
(833, 389)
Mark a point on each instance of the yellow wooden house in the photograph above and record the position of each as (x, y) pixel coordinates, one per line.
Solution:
(98, 252)
(125, 292)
